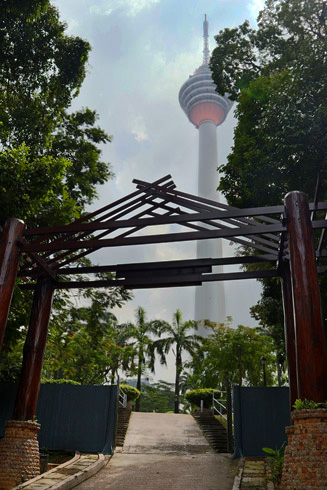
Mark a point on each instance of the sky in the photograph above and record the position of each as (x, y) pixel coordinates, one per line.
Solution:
(142, 53)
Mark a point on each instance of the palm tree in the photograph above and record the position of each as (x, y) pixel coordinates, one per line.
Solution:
(177, 335)
(142, 342)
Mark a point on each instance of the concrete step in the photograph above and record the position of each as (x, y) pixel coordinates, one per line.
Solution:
(213, 430)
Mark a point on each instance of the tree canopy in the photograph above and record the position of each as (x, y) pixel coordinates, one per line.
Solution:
(277, 73)
(50, 157)
(141, 338)
(233, 354)
(178, 339)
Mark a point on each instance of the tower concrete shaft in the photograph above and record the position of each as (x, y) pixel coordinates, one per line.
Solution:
(206, 109)
(210, 297)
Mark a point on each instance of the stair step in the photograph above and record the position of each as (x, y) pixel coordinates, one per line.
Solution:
(123, 421)
(213, 430)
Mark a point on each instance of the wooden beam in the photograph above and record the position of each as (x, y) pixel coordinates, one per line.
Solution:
(147, 281)
(310, 337)
(164, 238)
(9, 258)
(40, 261)
(157, 220)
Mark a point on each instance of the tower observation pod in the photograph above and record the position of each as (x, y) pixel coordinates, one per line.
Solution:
(206, 109)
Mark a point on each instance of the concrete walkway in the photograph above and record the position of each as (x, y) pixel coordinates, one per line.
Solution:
(165, 451)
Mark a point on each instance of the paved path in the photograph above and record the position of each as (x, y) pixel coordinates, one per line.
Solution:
(164, 452)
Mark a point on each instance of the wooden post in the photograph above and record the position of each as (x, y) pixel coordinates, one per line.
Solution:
(9, 255)
(289, 331)
(29, 383)
(309, 334)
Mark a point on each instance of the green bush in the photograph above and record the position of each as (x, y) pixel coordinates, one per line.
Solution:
(60, 381)
(275, 462)
(308, 404)
(205, 394)
(131, 392)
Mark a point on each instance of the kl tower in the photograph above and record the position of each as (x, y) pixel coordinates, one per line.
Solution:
(206, 109)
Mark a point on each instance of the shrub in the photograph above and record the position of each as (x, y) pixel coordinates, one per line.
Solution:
(308, 404)
(131, 392)
(60, 381)
(205, 394)
(275, 462)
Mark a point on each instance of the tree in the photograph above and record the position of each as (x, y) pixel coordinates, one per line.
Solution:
(52, 154)
(177, 336)
(158, 397)
(84, 343)
(279, 69)
(50, 160)
(234, 354)
(140, 338)
(277, 74)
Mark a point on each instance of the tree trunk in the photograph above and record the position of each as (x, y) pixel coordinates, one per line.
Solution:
(178, 365)
(138, 385)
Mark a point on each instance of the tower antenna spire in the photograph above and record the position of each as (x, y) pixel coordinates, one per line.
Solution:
(206, 53)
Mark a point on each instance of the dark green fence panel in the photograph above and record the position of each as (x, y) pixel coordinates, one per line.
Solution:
(72, 417)
(260, 418)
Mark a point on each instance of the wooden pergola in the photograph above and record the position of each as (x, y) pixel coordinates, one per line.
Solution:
(278, 239)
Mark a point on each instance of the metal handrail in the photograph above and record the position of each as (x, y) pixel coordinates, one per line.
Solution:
(122, 397)
(221, 407)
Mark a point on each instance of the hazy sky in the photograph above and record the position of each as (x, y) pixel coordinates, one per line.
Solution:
(142, 53)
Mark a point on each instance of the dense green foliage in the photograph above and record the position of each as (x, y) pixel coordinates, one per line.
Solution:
(177, 337)
(53, 155)
(308, 405)
(275, 460)
(131, 392)
(277, 73)
(60, 381)
(233, 354)
(140, 337)
(205, 394)
(84, 342)
(50, 165)
(157, 397)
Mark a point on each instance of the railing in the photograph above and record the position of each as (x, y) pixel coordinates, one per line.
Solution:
(225, 412)
(122, 397)
(218, 407)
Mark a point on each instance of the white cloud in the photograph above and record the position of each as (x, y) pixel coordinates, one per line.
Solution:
(140, 135)
(255, 6)
(132, 7)
(138, 129)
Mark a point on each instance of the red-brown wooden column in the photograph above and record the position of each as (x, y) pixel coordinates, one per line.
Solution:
(289, 331)
(9, 255)
(29, 383)
(310, 339)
